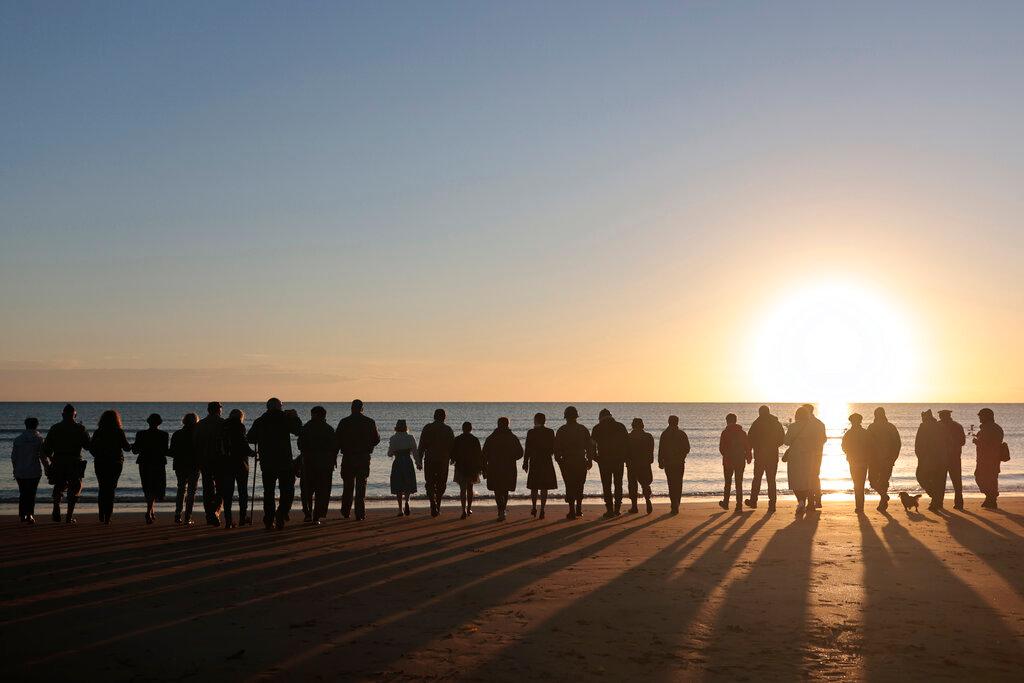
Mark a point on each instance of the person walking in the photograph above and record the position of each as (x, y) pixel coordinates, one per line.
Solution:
(152, 445)
(63, 446)
(857, 447)
(185, 464)
(401, 447)
(885, 450)
(434, 456)
(766, 436)
(469, 465)
(930, 449)
(233, 470)
(955, 441)
(991, 453)
(357, 437)
(639, 458)
(734, 447)
(272, 433)
(574, 453)
(538, 463)
(673, 447)
(209, 451)
(817, 438)
(800, 459)
(500, 452)
(108, 446)
(612, 442)
(318, 448)
(27, 467)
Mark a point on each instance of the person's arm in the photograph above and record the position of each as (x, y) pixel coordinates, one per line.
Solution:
(519, 447)
(125, 446)
(376, 435)
(423, 442)
(526, 453)
(721, 443)
(254, 433)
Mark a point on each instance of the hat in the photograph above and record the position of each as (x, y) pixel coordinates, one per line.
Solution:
(945, 412)
(604, 413)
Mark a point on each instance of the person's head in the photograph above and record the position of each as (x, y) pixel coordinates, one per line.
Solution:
(440, 415)
(401, 426)
(236, 414)
(110, 419)
(926, 416)
(571, 414)
(764, 411)
(154, 420)
(190, 420)
(69, 412)
(467, 427)
(357, 407)
(539, 419)
(673, 420)
(605, 414)
(274, 404)
(809, 407)
(31, 423)
(318, 413)
(638, 424)
(946, 415)
(986, 415)
(880, 414)
(502, 423)
(730, 419)
(214, 408)
(856, 419)
(801, 414)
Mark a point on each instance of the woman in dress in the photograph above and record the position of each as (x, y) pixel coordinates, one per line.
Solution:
(403, 471)
(500, 452)
(800, 464)
(469, 465)
(108, 446)
(537, 463)
(151, 445)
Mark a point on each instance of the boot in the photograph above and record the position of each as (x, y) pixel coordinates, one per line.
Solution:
(541, 515)
(650, 506)
(55, 515)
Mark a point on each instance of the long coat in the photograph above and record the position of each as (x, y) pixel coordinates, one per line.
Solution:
(801, 463)
(930, 448)
(989, 442)
(540, 447)
(641, 456)
(501, 451)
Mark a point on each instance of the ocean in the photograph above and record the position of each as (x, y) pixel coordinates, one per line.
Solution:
(702, 421)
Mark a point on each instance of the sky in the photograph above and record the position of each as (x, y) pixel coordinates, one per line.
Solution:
(686, 201)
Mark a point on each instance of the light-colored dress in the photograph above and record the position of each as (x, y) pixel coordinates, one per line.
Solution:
(403, 471)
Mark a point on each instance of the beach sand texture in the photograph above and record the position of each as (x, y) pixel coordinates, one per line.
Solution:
(703, 595)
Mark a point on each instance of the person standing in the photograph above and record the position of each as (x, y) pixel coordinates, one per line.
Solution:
(318, 448)
(991, 452)
(955, 441)
(537, 463)
(152, 445)
(766, 437)
(673, 447)
(434, 456)
(500, 452)
(612, 441)
(930, 449)
(108, 446)
(574, 453)
(26, 463)
(272, 433)
(233, 471)
(186, 468)
(817, 438)
(469, 465)
(357, 437)
(639, 459)
(401, 447)
(209, 451)
(63, 445)
(857, 447)
(885, 450)
(800, 459)
(734, 447)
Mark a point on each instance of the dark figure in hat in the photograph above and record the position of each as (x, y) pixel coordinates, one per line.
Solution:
(433, 457)
(673, 447)
(152, 446)
(638, 465)
(272, 433)
(930, 448)
(318, 448)
(991, 452)
(766, 436)
(857, 446)
(63, 445)
(955, 441)
(209, 453)
(357, 437)
(885, 449)
(612, 442)
(574, 453)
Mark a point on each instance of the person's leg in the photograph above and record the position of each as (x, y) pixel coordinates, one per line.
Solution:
(737, 473)
(755, 484)
(462, 497)
(940, 486)
(241, 474)
(533, 500)
(287, 485)
(360, 501)
(74, 493)
(727, 487)
(348, 489)
(470, 493)
(179, 496)
(269, 503)
(22, 499)
(59, 484)
(606, 487)
(771, 467)
(226, 489)
(816, 493)
(323, 493)
(957, 479)
(617, 470)
(857, 472)
(632, 486)
(674, 479)
(190, 496)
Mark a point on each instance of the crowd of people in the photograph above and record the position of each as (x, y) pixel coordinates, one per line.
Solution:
(214, 453)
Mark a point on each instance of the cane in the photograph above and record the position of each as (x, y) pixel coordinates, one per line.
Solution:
(252, 498)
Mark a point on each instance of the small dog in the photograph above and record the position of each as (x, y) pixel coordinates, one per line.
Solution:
(909, 501)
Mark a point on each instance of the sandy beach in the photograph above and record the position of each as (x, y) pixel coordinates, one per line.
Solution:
(705, 594)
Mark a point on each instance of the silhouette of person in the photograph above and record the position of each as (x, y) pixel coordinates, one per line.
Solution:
(108, 446)
(673, 447)
(574, 453)
(538, 463)
(469, 464)
(186, 468)
(930, 448)
(801, 466)
(818, 437)
(857, 446)
(318, 448)
(734, 446)
(612, 442)
(63, 445)
(955, 441)
(885, 450)
(638, 465)
(433, 456)
(401, 447)
(27, 465)
(500, 452)
(272, 433)
(991, 452)
(151, 446)
(766, 436)
(233, 469)
(357, 437)
(209, 450)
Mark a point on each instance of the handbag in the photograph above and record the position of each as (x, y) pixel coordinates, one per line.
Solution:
(1004, 452)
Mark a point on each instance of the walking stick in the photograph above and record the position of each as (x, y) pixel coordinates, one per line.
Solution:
(252, 498)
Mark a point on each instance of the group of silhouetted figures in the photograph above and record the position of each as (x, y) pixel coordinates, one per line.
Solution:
(215, 452)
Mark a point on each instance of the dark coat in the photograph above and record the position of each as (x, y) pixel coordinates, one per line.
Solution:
(183, 451)
(573, 445)
(65, 440)
(766, 436)
(108, 446)
(318, 443)
(734, 446)
(673, 447)
(500, 452)
(436, 441)
(857, 445)
(955, 439)
(272, 433)
(612, 441)
(885, 443)
(540, 447)
(641, 456)
(151, 445)
(467, 456)
(357, 437)
(236, 445)
(209, 441)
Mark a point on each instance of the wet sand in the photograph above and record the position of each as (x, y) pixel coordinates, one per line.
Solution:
(705, 594)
